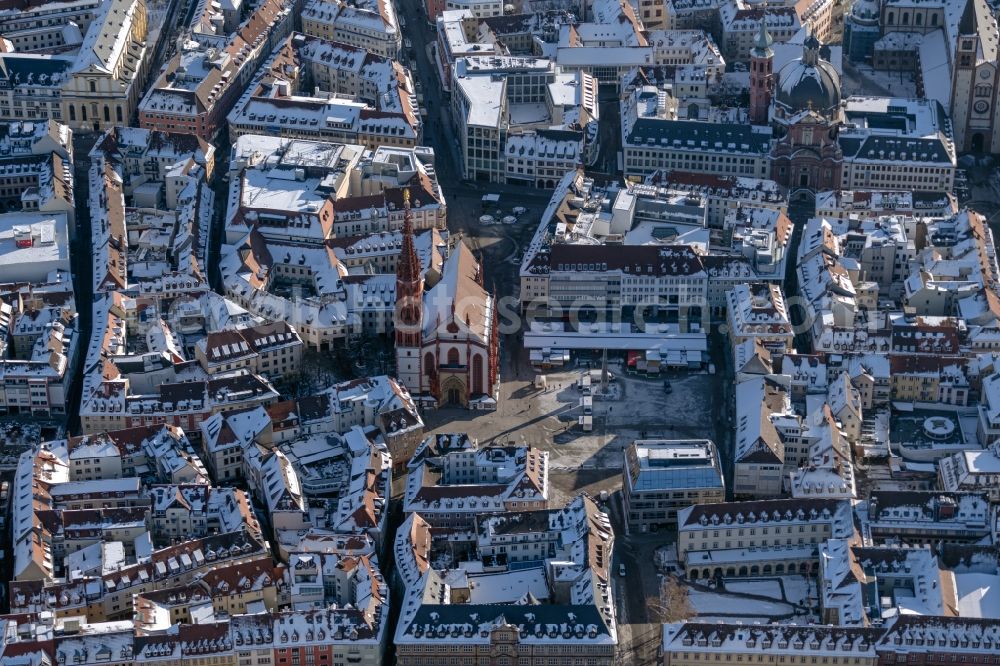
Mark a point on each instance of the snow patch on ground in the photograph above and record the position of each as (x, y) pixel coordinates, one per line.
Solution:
(713, 603)
(797, 589)
(765, 588)
(637, 407)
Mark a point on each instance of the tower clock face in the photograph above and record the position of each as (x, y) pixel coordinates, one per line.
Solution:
(984, 74)
(982, 106)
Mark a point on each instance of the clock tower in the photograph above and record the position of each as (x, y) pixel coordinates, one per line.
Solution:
(974, 82)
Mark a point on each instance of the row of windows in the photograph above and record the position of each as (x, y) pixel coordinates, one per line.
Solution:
(697, 656)
(752, 531)
(107, 113)
(690, 157)
(918, 19)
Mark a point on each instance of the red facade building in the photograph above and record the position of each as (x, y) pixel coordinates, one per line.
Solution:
(807, 115)
(761, 77)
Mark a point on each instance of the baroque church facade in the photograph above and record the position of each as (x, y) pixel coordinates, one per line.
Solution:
(802, 102)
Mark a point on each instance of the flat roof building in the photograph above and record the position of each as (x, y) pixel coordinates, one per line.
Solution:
(662, 476)
(33, 246)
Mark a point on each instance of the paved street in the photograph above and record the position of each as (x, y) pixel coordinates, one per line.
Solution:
(609, 136)
(799, 212)
(177, 15)
(438, 131)
(81, 259)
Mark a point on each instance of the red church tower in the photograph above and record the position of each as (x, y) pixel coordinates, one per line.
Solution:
(408, 321)
(761, 77)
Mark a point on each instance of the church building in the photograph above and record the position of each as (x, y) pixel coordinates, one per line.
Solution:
(447, 344)
(803, 103)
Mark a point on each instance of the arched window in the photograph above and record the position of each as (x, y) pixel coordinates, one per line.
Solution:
(428, 362)
(452, 356)
(933, 19)
(892, 18)
(107, 114)
(918, 19)
(83, 111)
(118, 114)
(906, 18)
(477, 374)
(72, 112)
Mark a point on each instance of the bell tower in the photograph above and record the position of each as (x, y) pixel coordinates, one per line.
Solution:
(408, 319)
(761, 77)
(970, 117)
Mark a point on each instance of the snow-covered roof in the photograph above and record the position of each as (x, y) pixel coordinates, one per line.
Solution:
(659, 465)
(517, 596)
(782, 640)
(500, 474)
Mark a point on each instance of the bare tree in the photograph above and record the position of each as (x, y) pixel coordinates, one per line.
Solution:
(673, 604)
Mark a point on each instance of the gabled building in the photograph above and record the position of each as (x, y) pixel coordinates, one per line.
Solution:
(276, 102)
(225, 436)
(690, 643)
(198, 86)
(757, 311)
(452, 480)
(765, 422)
(272, 350)
(761, 537)
(365, 24)
(552, 596)
(197, 510)
(928, 516)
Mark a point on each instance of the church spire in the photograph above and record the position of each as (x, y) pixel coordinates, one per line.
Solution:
(409, 313)
(408, 268)
(409, 285)
(969, 23)
(762, 45)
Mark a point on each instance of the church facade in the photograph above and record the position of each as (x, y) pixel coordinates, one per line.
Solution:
(802, 103)
(447, 342)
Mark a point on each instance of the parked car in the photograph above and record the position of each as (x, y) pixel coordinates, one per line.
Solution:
(621, 570)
